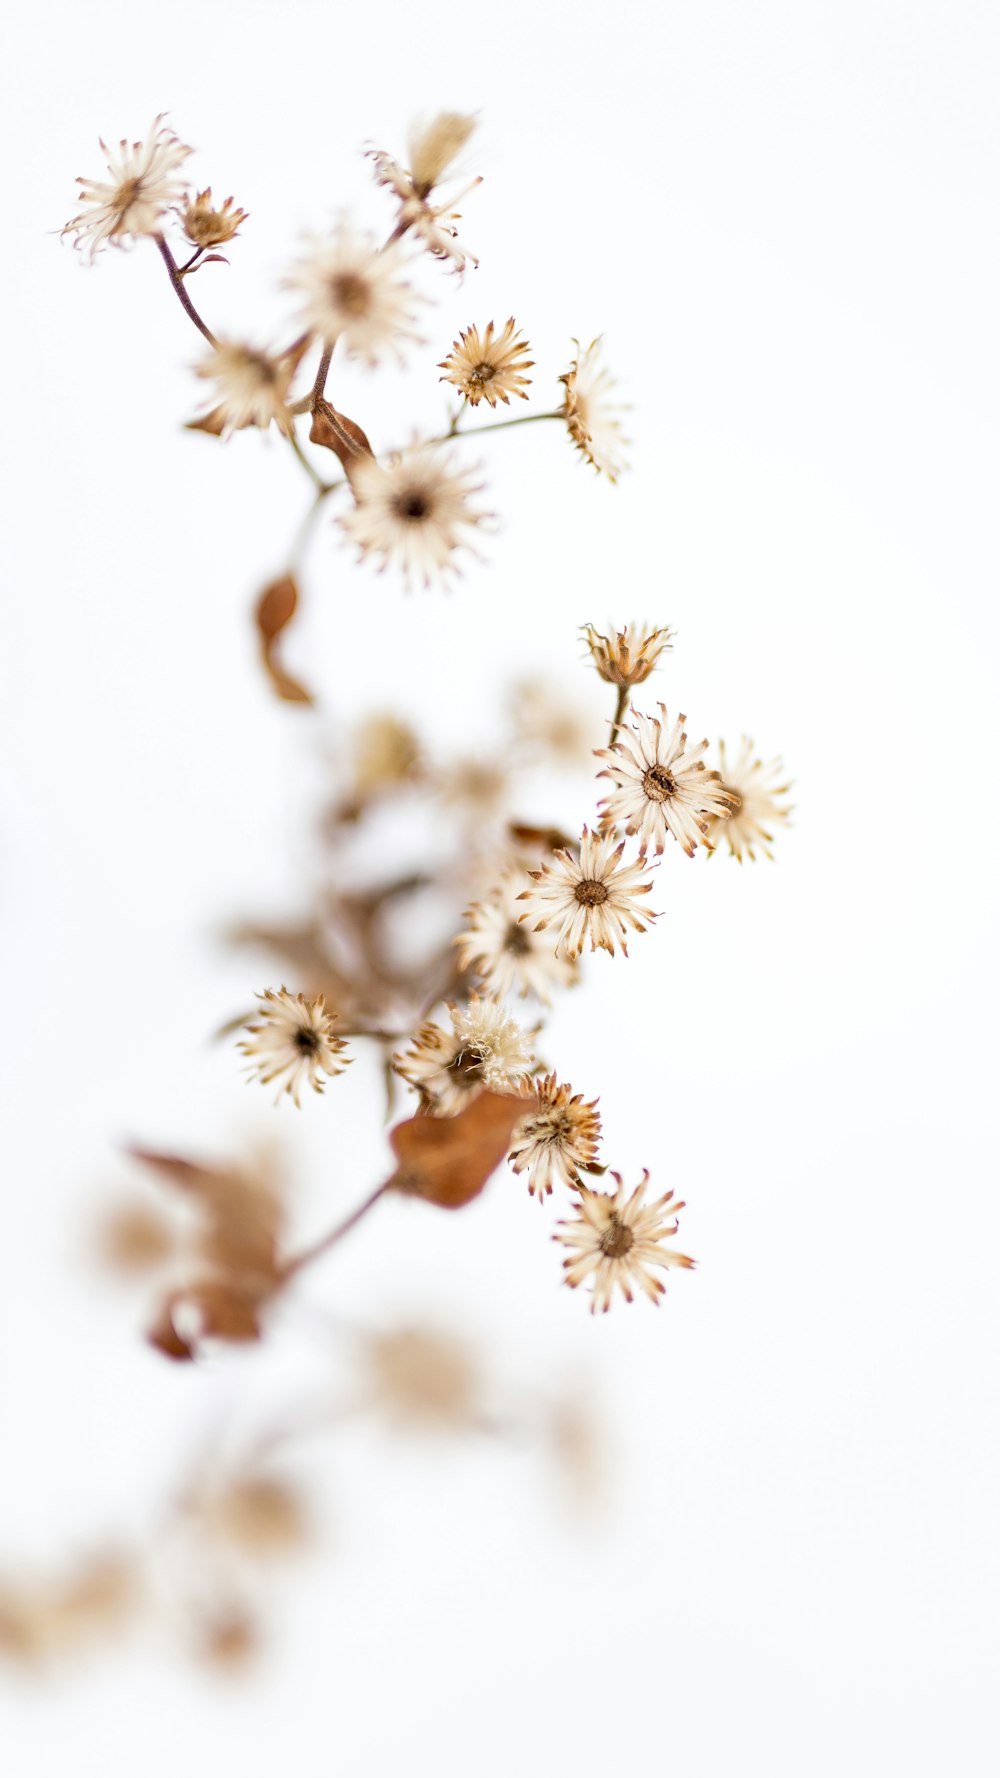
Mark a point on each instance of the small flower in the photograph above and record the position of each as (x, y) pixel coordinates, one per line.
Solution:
(662, 785)
(590, 897)
(755, 790)
(207, 224)
(615, 1239)
(499, 946)
(386, 756)
(416, 510)
(628, 656)
(419, 1377)
(488, 369)
(294, 1042)
(251, 387)
(142, 186)
(544, 722)
(590, 412)
(485, 1048)
(355, 292)
(431, 152)
(556, 1139)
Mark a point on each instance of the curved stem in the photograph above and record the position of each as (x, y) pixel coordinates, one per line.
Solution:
(495, 426)
(305, 1258)
(317, 480)
(322, 373)
(182, 296)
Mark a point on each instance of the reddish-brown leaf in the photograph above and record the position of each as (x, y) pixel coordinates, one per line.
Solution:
(448, 1160)
(276, 607)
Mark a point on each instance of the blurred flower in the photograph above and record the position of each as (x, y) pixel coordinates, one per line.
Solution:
(555, 1139)
(488, 368)
(479, 785)
(591, 413)
(756, 790)
(417, 511)
(560, 727)
(143, 184)
(614, 1239)
(251, 387)
(421, 1378)
(356, 294)
(293, 1042)
(208, 224)
(500, 946)
(432, 150)
(386, 755)
(628, 656)
(259, 1515)
(662, 785)
(590, 897)
(135, 1239)
(485, 1048)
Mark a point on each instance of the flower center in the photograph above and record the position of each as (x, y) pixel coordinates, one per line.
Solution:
(413, 506)
(466, 1067)
(590, 893)
(517, 941)
(306, 1040)
(127, 194)
(617, 1238)
(658, 784)
(483, 373)
(350, 293)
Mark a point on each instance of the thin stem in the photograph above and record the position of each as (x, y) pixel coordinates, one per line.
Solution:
(496, 426)
(182, 296)
(301, 537)
(322, 373)
(300, 1260)
(619, 715)
(317, 480)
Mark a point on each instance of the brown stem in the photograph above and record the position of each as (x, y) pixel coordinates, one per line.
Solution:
(619, 714)
(182, 295)
(299, 1260)
(323, 371)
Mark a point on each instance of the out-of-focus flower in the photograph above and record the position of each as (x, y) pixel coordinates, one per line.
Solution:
(487, 368)
(591, 412)
(208, 224)
(615, 1238)
(421, 1378)
(143, 184)
(356, 294)
(294, 1043)
(251, 387)
(386, 755)
(562, 728)
(416, 511)
(481, 786)
(756, 788)
(556, 1138)
(662, 785)
(432, 150)
(259, 1515)
(485, 1048)
(501, 947)
(626, 657)
(593, 896)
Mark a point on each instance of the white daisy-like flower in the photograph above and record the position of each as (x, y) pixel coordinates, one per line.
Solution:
(355, 292)
(293, 1042)
(626, 657)
(251, 386)
(432, 150)
(488, 369)
(662, 785)
(484, 1048)
(756, 788)
(143, 184)
(591, 411)
(592, 896)
(416, 510)
(614, 1240)
(502, 948)
(555, 1139)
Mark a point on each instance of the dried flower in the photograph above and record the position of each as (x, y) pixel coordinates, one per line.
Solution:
(260, 1515)
(588, 897)
(208, 224)
(251, 387)
(386, 755)
(615, 1239)
(555, 1139)
(488, 368)
(294, 1042)
(421, 1378)
(662, 785)
(544, 722)
(591, 413)
(501, 947)
(432, 150)
(355, 293)
(142, 186)
(484, 1048)
(755, 788)
(416, 511)
(628, 656)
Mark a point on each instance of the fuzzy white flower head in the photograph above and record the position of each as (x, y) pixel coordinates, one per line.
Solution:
(484, 1048)
(757, 789)
(355, 292)
(432, 149)
(592, 896)
(417, 510)
(662, 786)
(293, 1042)
(614, 1240)
(252, 387)
(502, 948)
(555, 1139)
(591, 411)
(143, 184)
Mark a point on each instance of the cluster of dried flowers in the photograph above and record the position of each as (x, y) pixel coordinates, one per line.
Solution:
(446, 1018)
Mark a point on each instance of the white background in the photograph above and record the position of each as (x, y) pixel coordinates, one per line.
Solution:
(784, 219)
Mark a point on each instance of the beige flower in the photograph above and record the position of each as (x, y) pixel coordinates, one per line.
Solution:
(544, 722)
(592, 896)
(484, 1048)
(556, 1139)
(354, 292)
(662, 785)
(626, 657)
(756, 790)
(293, 1042)
(421, 1378)
(386, 755)
(591, 413)
(142, 186)
(501, 947)
(432, 151)
(487, 368)
(417, 511)
(208, 224)
(252, 387)
(614, 1239)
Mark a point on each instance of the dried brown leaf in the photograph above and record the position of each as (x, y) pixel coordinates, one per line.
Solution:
(276, 607)
(339, 434)
(448, 1160)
